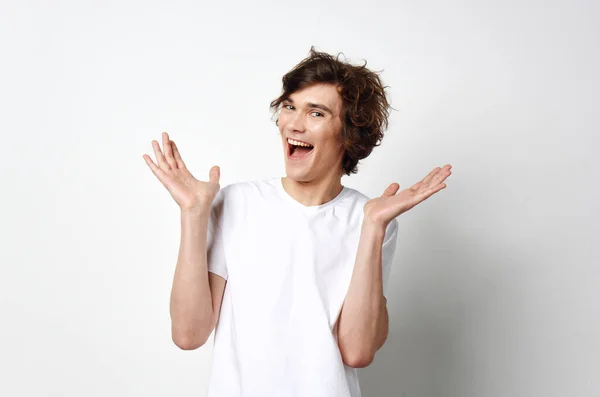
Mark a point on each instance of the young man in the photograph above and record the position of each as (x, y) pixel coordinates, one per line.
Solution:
(292, 271)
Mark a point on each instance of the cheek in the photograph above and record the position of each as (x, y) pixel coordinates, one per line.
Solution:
(330, 136)
(329, 149)
(283, 119)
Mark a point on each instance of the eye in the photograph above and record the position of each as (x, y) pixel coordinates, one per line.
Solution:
(319, 113)
(288, 106)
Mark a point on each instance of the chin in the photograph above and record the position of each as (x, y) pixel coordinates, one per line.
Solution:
(296, 174)
(298, 171)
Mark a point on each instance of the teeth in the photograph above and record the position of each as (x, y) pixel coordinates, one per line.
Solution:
(298, 143)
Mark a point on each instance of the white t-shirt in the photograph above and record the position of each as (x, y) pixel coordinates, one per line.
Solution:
(288, 268)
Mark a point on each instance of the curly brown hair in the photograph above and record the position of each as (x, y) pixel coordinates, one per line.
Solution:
(365, 107)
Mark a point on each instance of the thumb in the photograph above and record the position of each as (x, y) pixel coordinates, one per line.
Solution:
(391, 190)
(214, 174)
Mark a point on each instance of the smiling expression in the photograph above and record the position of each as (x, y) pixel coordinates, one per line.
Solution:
(310, 128)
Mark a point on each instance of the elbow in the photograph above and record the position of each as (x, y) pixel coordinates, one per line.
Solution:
(357, 351)
(356, 355)
(188, 343)
(186, 340)
(358, 359)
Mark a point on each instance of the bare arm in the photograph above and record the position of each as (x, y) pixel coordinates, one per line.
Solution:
(363, 322)
(196, 294)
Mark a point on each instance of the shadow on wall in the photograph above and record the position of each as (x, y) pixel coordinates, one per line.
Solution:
(447, 295)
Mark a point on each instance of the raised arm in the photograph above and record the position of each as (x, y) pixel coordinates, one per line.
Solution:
(363, 322)
(196, 294)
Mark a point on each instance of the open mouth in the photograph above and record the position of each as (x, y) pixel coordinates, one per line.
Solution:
(299, 149)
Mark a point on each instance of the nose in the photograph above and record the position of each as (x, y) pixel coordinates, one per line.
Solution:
(296, 122)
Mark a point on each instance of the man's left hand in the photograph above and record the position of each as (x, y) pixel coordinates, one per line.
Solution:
(382, 210)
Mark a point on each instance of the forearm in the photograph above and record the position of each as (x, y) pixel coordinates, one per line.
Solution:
(363, 322)
(191, 308)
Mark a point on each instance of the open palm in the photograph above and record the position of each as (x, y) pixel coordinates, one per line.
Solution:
(389, 205)
(189, 192)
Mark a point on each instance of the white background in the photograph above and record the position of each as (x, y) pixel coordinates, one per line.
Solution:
(495, 289)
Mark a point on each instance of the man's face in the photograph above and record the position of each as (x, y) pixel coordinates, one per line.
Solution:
(312, 116)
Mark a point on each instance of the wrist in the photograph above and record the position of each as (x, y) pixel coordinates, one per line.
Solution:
(374, 227)
(195, 213)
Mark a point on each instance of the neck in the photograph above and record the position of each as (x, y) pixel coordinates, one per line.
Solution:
(315, 192)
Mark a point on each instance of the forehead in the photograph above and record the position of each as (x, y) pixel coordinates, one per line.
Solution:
(324, 94)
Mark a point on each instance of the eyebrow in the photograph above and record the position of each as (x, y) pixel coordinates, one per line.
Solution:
(311, 105)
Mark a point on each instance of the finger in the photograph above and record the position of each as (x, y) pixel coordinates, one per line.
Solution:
(430, 176)
(160, 158)
(416, 186)
(214, 174)
(441, 176)
(391, 189)
(425, 195)
(168, 150)
(445, 170)
(177, 155)
(155, 169)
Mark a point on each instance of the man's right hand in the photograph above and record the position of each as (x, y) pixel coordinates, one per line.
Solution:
(189, 193)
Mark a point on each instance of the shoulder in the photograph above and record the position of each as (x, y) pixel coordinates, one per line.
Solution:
(245, 188)
(244, 193)
(354, 201)
(356, 196)
(234, 202)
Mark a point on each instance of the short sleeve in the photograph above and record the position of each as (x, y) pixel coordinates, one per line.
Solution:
(387, 254)
(215, 249)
